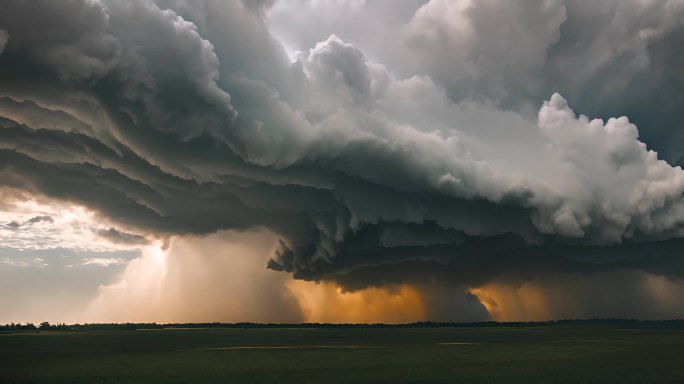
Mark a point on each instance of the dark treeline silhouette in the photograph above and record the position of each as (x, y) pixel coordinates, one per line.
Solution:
(44, 326)
(626, 323)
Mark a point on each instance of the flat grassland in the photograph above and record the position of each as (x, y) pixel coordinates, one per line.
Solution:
(548, 354)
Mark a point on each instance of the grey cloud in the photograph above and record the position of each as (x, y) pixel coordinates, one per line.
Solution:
(173, 117)
(339, 64)
(72, 40)
(372, 26)
(609, 59)
(118, 237)
(38, 219)
(35, 219)
(473, 46)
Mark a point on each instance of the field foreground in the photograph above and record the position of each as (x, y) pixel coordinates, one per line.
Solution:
(549, 354)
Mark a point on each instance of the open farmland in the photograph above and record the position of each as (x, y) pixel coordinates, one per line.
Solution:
(551, 354)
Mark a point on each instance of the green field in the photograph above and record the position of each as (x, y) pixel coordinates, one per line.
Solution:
(549, 354)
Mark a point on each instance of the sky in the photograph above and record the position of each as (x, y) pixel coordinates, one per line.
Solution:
(341, 161)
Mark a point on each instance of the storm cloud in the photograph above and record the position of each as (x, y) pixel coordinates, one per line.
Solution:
(441, 142)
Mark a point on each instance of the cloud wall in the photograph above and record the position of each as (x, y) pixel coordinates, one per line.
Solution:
(438, 149)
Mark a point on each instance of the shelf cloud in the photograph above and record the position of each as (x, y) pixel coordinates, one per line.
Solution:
(450, 143)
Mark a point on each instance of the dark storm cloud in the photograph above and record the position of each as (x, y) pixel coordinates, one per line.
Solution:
(179, 117)
(3, 40)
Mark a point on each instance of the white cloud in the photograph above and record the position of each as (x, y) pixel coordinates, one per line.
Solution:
(38, 223)
(105, 262)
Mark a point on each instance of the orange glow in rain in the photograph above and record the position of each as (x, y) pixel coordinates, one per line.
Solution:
(525, 302)
(326, 302)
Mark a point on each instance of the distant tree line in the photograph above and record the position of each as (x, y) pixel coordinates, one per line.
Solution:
(44, 326)
(627, 323)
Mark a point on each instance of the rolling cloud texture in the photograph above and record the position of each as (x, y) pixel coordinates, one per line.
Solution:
(426, 141)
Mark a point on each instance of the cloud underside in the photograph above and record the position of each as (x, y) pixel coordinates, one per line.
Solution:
(462, 164)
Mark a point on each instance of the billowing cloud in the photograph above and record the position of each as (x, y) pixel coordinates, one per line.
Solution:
(438, 154)
(608, 59)
(472, 46)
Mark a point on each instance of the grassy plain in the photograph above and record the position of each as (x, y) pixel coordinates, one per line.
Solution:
(548, 354)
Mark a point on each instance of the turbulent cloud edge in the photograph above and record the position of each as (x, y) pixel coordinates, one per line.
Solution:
(364, 174)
